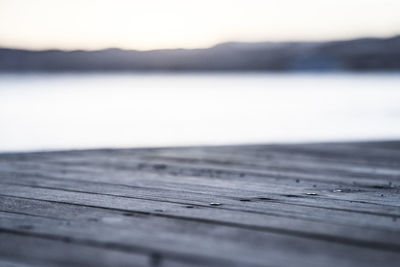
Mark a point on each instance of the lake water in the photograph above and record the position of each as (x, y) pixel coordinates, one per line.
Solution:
(65, 111)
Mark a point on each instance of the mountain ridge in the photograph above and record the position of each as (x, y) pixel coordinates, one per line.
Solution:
(362, 54)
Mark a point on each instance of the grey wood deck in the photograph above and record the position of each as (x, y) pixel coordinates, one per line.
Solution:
(260, 205)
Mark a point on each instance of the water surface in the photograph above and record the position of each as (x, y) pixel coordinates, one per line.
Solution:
(65, 111)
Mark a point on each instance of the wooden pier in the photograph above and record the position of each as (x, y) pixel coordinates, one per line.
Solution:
(256, 205)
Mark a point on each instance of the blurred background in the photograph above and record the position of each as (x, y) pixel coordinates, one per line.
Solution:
(90, 74)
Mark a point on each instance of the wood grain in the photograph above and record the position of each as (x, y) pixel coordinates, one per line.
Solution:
(325, 204)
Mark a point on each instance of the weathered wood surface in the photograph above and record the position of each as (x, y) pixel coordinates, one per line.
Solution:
(279, 205)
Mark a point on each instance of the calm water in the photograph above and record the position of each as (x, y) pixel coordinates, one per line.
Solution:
(59, 111)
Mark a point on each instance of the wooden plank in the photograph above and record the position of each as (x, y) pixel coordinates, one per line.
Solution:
(7, 263)
(213, 241)
(310, 170)
(250, 204)
(365, 237)
(300, 204)
(32, 251)
(349, 197)
(369, 177)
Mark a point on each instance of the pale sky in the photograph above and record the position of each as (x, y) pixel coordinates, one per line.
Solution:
(152, 24)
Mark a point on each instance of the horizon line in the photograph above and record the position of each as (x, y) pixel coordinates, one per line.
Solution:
(199, 48)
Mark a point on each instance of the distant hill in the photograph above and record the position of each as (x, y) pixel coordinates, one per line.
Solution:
(368, 54)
